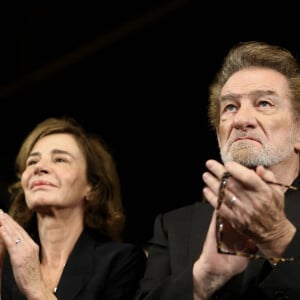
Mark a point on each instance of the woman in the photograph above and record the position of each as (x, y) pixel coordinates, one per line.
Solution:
(62, 236)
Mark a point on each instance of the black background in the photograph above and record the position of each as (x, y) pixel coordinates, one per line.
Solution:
(137, 73)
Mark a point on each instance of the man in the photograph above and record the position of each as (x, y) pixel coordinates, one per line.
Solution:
(245, 244)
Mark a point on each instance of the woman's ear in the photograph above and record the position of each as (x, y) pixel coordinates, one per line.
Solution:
(87, 196)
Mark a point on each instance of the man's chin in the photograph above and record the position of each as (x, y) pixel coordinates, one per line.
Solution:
(246, 158)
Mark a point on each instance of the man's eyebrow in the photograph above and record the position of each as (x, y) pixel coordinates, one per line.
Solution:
(260, 93)
(230, 96)
(252, 94)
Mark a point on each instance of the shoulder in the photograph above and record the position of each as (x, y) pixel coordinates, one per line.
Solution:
(98, 251)
(188, 212)
(183, 218)
(103, 245)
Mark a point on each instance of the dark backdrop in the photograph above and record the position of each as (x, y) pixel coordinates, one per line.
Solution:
(136, 73)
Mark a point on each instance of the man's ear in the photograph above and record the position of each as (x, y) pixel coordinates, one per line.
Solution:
(297, 141)
(297, 146)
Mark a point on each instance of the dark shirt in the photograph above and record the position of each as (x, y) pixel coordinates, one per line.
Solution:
(177, 243)
(97, 268)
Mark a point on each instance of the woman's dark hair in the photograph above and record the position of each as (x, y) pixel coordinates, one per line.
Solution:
(103, 210)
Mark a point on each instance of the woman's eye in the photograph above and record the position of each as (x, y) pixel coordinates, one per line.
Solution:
(60, 159)
(31, 162)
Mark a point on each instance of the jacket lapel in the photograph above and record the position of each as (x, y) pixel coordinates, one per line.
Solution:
(78, 268)
(200, 220)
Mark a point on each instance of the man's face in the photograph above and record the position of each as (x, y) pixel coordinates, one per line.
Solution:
(257, 125)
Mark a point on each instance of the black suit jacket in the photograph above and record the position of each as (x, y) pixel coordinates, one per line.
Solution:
(96, 269)
(177, 243)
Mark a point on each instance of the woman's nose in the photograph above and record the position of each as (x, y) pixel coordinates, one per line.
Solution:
(39, 169)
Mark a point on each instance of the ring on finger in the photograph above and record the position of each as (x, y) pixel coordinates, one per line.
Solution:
(233, 200)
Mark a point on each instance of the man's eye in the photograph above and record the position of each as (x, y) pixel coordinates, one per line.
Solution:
(230, 108)
(264, 103)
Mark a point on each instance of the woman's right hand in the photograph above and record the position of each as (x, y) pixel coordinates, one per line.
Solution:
(24, 257)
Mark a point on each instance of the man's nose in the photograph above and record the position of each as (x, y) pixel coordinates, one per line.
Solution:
(244, 118)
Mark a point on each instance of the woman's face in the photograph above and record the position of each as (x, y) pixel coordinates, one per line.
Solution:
(55, 174)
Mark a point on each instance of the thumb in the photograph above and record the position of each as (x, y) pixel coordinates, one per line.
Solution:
(265, 174)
